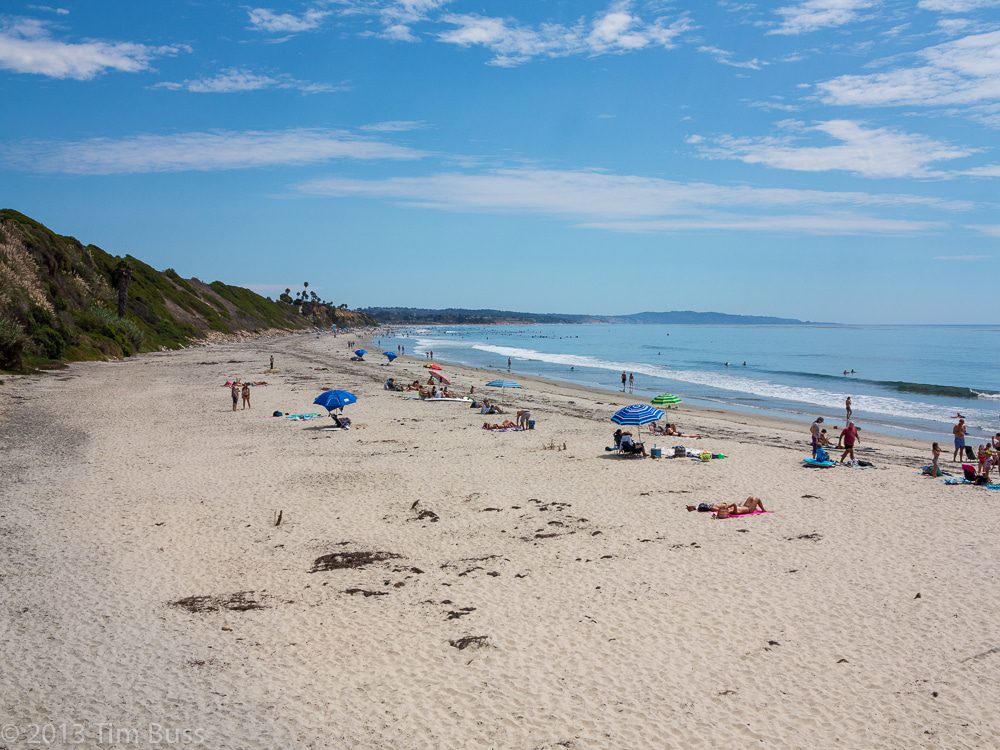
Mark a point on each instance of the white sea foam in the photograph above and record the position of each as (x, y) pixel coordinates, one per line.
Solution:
(885, 405)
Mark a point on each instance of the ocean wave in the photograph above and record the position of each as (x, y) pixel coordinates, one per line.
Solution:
(834, 400)
(902, 386)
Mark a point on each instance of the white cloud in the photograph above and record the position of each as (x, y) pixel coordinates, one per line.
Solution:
(263, 19)
(395, 126)
(725, 57)
(634, 203)
(812, 15)
(26, 46)
(197, 152)
(990, 230)
(232, 80)
(963, 71)
(870, 152)
(398, 16)
(956, 6)
(615, 31)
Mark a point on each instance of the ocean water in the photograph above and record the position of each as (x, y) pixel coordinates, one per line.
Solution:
(907, 380)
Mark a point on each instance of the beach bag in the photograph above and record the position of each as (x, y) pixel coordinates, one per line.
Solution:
(680, 451)
(705, 456)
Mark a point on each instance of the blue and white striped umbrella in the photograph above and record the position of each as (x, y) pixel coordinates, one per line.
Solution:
(636, 414)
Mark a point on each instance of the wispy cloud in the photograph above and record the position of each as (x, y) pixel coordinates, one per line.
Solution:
(640, 204)
(870, 152)
(962, 258)
(812, 15)
(27, 46)
(399, 16)
(990, 230)
(615, 31)
(395, 126)
(197, 152)
(725, 57)
(264, 19)
(955, 6)
(234, 80)
(963, 71)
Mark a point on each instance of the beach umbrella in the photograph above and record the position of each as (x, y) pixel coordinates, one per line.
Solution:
(666, 399)
(440, 377)
(335, 399)
(360, 352)
(390, 355)
(433, 366)
(503, 384)
(636, 414)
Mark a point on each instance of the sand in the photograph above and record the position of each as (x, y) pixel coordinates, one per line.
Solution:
(434, 585)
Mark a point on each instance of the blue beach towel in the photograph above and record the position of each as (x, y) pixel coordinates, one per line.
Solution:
(966, 481)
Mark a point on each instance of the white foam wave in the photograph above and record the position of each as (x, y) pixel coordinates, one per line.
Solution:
(989, 396)
(885, 405)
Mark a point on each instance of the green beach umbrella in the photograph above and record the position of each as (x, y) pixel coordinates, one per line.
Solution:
(666, 399)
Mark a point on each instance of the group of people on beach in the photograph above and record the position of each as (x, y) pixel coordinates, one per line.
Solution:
(241, 390)
(849, 437)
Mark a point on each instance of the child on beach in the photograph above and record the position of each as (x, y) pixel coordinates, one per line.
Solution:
(246, 395)
(935, 456)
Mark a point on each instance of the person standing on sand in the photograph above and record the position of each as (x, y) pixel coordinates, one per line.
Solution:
(272, 362)
(236, 393)
(624, 379)
(814, 431)
(851, 436)
(631, 382)
(246, 395)
(508, 364)
(959, 431)
(848, 409)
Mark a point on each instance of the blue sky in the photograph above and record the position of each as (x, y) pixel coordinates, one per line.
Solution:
(820, 159)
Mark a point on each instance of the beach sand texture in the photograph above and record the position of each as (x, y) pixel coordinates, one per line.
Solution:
(505, 594)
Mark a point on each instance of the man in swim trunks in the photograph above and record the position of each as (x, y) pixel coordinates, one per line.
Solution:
(814, 432)
(236, 394)
(850, 436)
(959, 431)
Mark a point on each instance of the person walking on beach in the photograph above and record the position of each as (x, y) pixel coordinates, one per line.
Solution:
(848, 409)
(959, 431)
(624, 379)
(814, 432)
(851, 436)
(246, 395)
(272, 362)
(508, 364)
(236, 393)
(631, 383)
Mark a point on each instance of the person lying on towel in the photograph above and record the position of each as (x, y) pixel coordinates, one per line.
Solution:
(725, 510)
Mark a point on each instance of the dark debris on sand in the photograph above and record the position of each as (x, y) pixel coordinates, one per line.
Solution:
(241, 601)
(471, 641)
(351, 560)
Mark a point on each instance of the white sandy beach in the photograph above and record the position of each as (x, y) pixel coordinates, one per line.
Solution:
(860, 613)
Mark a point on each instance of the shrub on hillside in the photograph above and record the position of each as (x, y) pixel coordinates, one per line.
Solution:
(12, 343)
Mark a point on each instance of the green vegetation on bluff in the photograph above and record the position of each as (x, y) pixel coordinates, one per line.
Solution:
(62, 300)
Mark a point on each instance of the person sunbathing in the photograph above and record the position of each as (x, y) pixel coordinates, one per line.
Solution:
(505, 425)
(671, 430)
(725, 510)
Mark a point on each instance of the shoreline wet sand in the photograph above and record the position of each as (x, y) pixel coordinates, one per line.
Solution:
(432, 584)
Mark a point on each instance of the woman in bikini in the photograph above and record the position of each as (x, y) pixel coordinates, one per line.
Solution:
(725, 510)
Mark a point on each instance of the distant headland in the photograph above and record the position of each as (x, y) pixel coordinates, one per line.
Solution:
(460, 316)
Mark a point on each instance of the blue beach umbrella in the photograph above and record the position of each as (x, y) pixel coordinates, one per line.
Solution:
(636, 414)
(360, 352)
(390, 355)
(503, 384)
(335, 399)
